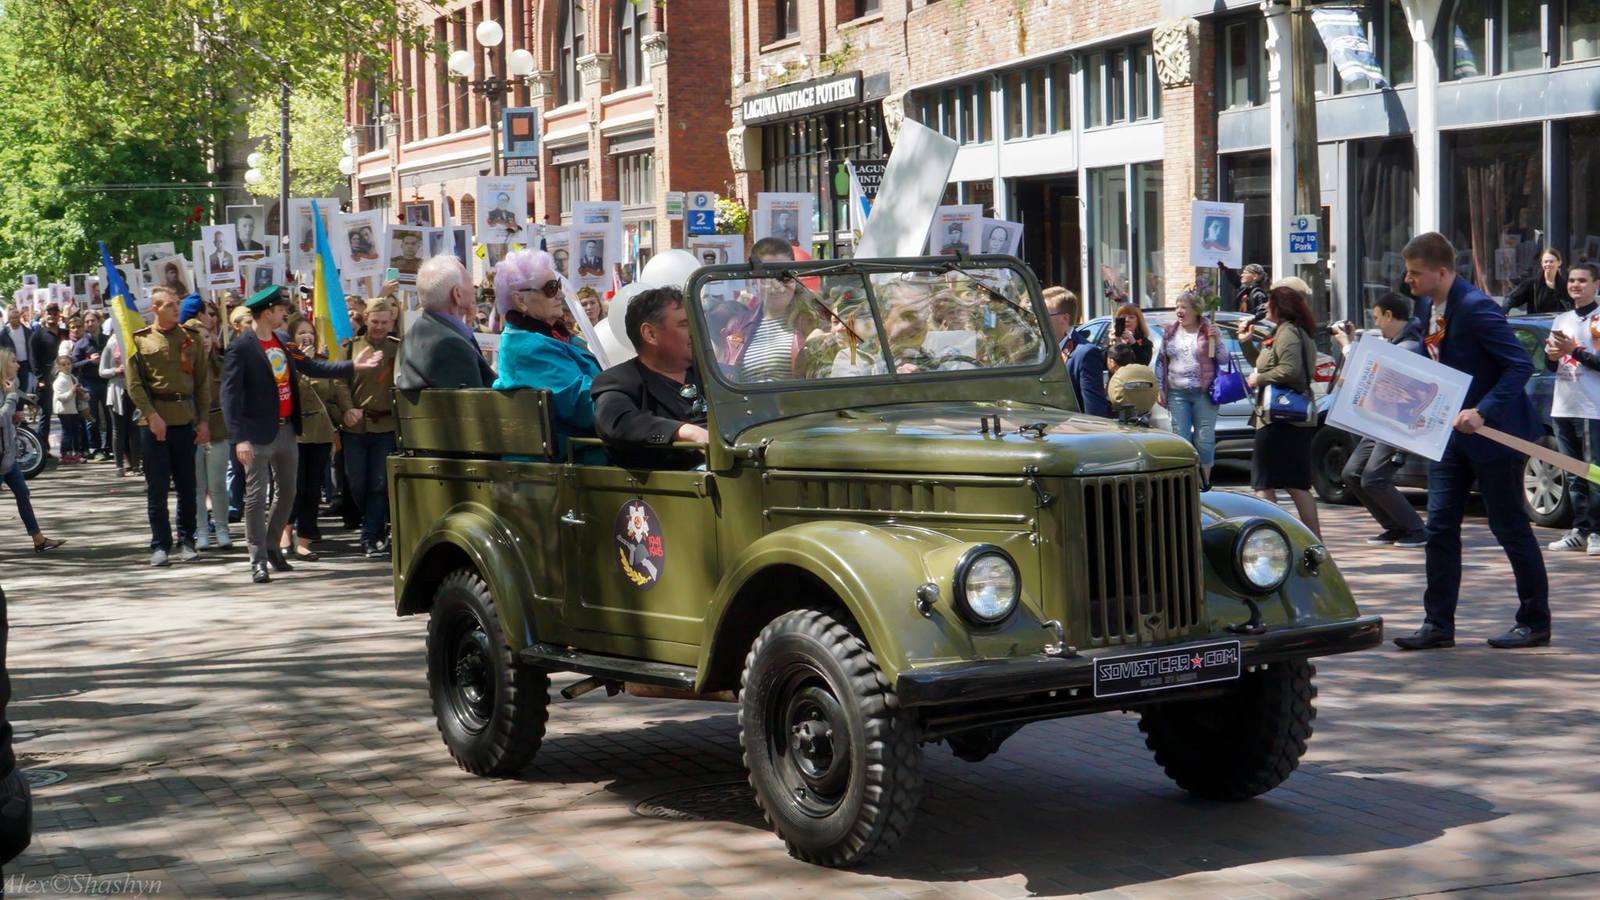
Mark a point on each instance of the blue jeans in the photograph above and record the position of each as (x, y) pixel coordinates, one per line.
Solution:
(169, 466)
(1581, 438)
(1194, 418)
(366, 463)
(1500, 484)
(18, 483)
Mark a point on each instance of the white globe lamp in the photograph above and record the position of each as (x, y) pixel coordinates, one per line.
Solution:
(489, 33)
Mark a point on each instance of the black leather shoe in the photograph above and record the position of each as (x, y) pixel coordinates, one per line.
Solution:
(279, 564)
(1428, 637)
(1521, 636)
(259, 573)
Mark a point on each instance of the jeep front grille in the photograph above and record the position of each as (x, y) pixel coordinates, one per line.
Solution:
(1142, 556)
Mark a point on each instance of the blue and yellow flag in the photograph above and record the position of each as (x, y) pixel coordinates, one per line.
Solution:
(124, 311)
(332, 316)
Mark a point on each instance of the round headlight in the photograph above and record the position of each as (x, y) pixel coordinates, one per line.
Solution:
(987, 585)
(1263, 556)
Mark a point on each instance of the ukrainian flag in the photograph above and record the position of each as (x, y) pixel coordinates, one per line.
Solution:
(124, 311)
(330, 315)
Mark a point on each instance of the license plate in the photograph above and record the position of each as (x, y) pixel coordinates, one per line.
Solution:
(1161, 670)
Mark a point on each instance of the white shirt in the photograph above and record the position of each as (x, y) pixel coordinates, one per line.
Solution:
(768, 356)
(19, 340)
(1183, 360)
(1577, 393)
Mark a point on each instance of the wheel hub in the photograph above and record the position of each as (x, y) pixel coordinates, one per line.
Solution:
(818, 745)
(471, 679)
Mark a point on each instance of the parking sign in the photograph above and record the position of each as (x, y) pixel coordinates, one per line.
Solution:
(1303, 240)
(700, 213)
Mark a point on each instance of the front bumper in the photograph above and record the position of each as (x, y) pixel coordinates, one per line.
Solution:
(966, 682)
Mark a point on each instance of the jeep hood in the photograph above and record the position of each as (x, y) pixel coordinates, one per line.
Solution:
(949, 438)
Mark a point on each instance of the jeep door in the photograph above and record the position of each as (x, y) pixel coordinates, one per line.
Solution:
(641, 552)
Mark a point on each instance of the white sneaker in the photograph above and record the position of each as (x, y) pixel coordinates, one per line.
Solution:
(187, 553)
(1594, 544)
(224, 539)
(1572, 541)
(158, 558)
(202, 542)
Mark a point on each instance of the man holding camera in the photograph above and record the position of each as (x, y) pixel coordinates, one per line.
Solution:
(1574, 352)
(1372, 466)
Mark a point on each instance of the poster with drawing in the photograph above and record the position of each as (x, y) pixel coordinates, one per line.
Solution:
(502, 208)
(999, 236)
(302, 234)
(954, 229)
(358, 240)
(596, 251)
(1216, 235)
(1399, 398)
(787, 216)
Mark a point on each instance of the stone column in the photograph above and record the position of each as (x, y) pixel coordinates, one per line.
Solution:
(1421, 16)
(1280, 106)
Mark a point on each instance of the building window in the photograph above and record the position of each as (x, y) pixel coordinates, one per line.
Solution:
(1491, 37)
(469, 210)
(976, 113)
(1580, 30)
(800, 155)
(1241, 58)
(636, 179)
(1384, 24)
(569, 87)
(633, 23)
(1061, 96)
(1386, 180)
(1038, 102)
(1247, 179)
(948, 118)
(787, 23)
(1014, 107)
(868, 7)
(574, 185)
(1583, 194)
(960, 112)
(460, 103)
(1113, 78)
(377, 111)
(1524, 38)
(1125, 227)
(1495, 187)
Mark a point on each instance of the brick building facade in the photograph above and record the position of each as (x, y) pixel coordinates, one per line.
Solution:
(622, 118)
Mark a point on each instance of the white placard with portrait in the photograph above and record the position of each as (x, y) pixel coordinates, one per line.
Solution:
(219, 256)
(359, 240)
(787, 216)
(408, 246)
(303, 236)
(718, 250)
(597, 212)
(260, 274)
(149, 253)
(172, 272)
(558, 243)
(502, 209)
(999, 236)
(1399, 398)
(594, 252)
(954, 229)
(1216, 235)
(250, 222)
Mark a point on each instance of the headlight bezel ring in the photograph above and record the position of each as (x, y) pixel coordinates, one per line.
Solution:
(1245, 532)
(970, 558)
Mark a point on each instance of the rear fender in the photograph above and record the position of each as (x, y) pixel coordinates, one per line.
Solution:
(874, 572)
(471, 534)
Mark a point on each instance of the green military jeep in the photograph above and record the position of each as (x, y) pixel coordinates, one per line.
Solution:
(901, 533)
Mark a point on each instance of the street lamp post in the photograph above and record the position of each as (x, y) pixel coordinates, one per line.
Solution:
(492, 87)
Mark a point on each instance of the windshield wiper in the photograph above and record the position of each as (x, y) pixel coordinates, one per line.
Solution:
(788, 277)
(995, 296)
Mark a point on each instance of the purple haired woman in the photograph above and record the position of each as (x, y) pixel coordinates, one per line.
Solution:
(537, 351)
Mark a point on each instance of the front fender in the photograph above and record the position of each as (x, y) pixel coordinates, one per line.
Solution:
(1305, 598)
(875, 572)
(472, 530)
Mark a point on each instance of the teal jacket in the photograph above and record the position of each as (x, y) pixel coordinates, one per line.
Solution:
(530, 359)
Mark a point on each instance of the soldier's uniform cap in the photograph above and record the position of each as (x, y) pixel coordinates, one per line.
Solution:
(266, 297)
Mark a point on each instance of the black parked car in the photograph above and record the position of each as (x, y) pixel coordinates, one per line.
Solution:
(1544, 486)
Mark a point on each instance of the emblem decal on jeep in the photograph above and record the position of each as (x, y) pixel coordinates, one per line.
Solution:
(641, 547)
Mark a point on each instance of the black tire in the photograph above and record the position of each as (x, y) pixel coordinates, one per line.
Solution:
(1544, 492)
(807, 679)
(1239, 745)
(1330, 450)
(979, 744)
(490, 709)
(30, 452)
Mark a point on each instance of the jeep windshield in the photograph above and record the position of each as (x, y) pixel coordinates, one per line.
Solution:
(787, 324)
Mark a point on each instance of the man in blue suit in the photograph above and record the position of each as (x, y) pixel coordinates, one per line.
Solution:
(1467, 331)
(1086, 360)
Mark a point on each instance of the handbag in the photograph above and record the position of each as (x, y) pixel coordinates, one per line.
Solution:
(1285, 404)
(1228, 386)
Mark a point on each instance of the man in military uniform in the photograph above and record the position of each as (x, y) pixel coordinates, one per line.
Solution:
(369, 432)
(168, 379)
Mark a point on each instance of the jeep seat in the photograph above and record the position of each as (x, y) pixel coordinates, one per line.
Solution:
(479, 422)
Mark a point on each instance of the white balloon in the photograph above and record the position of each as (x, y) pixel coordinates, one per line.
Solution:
(670, 268)
(617, 351)
(617, 311)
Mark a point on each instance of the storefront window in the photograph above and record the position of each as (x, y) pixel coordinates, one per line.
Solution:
(1581, 30)
(1386, 177)
(1496, 190)
(1583, 193)
(1248, 180)
(1108, 262)
(1147, 231)
(1524, 46)
(798, 156)
(1469, 39)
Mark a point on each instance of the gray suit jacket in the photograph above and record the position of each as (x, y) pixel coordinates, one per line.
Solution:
(435, 355)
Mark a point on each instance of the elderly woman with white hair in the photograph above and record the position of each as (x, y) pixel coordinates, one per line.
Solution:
(537, 350)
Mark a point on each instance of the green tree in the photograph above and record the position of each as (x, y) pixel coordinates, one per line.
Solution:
(316, 131)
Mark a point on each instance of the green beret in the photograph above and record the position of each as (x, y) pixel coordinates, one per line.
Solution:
(266, 297)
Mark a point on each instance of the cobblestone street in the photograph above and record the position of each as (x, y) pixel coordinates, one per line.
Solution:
(224, 739)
